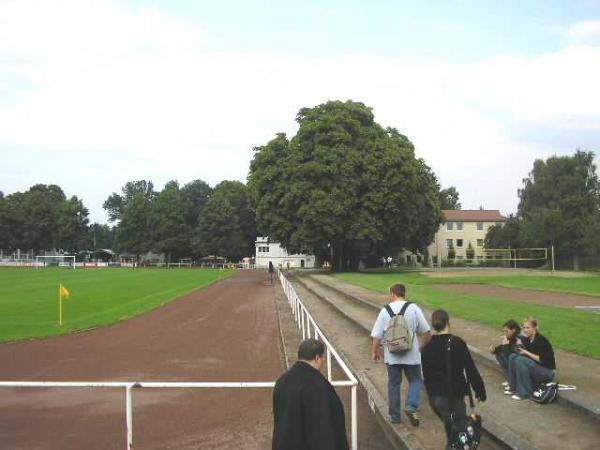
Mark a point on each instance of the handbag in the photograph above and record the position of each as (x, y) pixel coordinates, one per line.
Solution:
(464, 435)
(548, 392)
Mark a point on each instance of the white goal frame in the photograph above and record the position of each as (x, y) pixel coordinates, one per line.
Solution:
(43, 257)
(515, 254)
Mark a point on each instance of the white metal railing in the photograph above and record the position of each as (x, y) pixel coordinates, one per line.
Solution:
(306, 322)
(128, 391)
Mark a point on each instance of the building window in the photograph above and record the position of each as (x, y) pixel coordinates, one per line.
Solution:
(263, 249)
(448, 243)
(479, 242)
(459, 226)
(450, 226)
(459, 243)
(479, 226)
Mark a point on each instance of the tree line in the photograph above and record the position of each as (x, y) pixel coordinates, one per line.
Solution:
(559, 206)
(343, 188)
(189, 221)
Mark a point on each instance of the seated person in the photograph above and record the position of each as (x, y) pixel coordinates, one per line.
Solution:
(533, 364)
(508, 345)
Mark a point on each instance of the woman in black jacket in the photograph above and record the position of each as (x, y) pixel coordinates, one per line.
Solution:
(446, 399)
(533, 364)
(507, 346)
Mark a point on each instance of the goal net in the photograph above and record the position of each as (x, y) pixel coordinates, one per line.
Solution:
(515, 254)
(55, 261)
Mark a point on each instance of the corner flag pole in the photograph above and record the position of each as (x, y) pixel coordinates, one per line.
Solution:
(62, 292)
(60, 312)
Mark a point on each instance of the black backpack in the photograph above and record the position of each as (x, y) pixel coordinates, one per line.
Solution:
(545, 393)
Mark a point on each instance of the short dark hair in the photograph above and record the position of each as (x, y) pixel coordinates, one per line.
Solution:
(439, 319)
(398, 289)
(512, 325)
(310, 348)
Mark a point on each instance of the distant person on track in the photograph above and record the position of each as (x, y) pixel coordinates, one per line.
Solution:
(408, 361)
(507, 346)
(533, 364)
(271, 272)
(447, 391)
(307, 412)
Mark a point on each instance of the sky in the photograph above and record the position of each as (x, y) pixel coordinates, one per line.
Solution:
(97, 93)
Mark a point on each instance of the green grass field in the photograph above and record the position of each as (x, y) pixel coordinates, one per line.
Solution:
(29, 297)
(570, 330)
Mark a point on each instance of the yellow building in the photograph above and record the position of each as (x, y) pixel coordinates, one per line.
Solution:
(464, 231)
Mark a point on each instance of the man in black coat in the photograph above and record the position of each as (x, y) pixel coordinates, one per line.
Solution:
(307, 412)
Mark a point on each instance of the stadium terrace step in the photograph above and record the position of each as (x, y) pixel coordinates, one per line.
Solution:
(349, 338)
(582, 372)
(556, 426)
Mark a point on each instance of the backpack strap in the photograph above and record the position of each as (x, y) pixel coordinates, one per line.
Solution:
(389, 310)
(403, 310)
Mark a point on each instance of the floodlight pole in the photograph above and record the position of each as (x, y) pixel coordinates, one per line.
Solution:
(552, 249)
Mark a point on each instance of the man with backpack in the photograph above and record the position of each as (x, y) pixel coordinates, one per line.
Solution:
(398, 326)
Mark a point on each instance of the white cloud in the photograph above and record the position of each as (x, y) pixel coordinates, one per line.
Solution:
(107, 94)
(587, 32)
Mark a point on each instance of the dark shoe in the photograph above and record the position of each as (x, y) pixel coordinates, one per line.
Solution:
(412, 417)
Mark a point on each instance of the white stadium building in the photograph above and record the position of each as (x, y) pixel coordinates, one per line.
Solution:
(267, 250)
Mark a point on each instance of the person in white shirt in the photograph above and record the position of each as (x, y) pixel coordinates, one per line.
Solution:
(408, 361)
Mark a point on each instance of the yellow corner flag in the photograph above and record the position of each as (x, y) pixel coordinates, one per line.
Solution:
(62, 293)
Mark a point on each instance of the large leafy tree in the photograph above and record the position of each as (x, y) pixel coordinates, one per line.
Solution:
(449, 198)
(101, 236)
(227, 225)
(508, 235)
(344, 186)
(133, 211)
(4, 226)
(194, 195)
(42, 218)
(560, 203)
(169, 231)
(73, 225)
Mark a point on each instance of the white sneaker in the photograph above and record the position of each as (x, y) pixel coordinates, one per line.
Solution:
(509, 392)
(505, 383)
(516, 397)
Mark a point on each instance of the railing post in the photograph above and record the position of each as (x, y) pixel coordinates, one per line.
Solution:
(129, 414)
(328, 364)
(354, 420)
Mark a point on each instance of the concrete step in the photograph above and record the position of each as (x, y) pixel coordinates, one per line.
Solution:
(510, 421)
(352, 344)
(573, 369)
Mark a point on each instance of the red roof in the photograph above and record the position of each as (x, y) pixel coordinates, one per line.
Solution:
(473, 215)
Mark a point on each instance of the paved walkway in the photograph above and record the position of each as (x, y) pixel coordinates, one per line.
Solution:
(370, 434)
(506, 418)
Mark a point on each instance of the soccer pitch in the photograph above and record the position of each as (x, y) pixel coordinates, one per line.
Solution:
(29, 297)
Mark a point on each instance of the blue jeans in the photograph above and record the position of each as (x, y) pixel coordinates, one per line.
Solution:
(523, 372)
(503, 361)
(413, 374)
